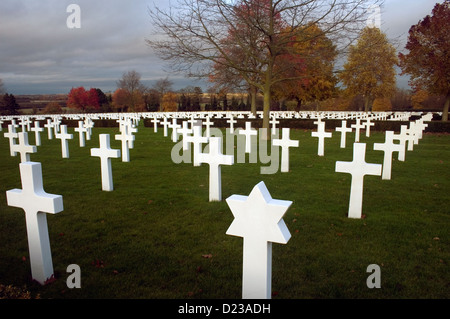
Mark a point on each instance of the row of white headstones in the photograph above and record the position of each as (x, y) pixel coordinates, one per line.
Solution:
(258, 217)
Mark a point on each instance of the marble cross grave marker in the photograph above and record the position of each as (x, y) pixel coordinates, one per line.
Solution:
(37, 132)
(50, 127)
(344, 130)
(358, 168)
(402, 137)
(36, 203)
(248, 132)
(185, 131)
(208, 125)
(321, 134)
(165, 123)
(155, 122)
(274, 123)
(174, 126)
(285, 143)
(81, 132)
(231, 121)
(388, 147)
(197, 139)
(64, 137)
(105, 153)
(125, 137)
(23, 147)
(215, 159)
(357, 126)
(368, 124)
(259, 220)
(11, 135)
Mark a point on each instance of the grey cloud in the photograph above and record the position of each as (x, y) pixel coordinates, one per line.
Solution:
(38, 53)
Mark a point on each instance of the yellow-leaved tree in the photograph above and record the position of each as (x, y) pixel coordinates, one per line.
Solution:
(369, 69)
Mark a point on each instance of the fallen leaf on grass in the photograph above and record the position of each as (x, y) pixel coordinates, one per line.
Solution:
(207, 256)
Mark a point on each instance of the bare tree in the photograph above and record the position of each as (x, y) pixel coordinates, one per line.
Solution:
(163, 86)
(193, 35)
(131, 83)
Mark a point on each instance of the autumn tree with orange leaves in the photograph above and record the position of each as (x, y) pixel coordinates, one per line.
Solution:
(370, 67)
(307, 67)
(428, 59)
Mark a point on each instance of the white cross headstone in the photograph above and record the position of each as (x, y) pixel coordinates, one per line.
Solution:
(259, 220)
(155, 122)
(208, 125)
(185, 131)
(231, 121)
(274, 123)
(197, 139)
(81, 131)
(50, 128)
(357, 126)
(88, 124)
(402, 137)
(358, 168)
(106, 153)
(24, 148)
(285, 142)
(248, 132)
(36, 203)
(125, 138)
(165, 124)
(344, 130)
(37, 132)
(11, 135)
(174, 126)
(368, 124)
(321, 134)
(64, 137)
(388, 147)
(215, 158)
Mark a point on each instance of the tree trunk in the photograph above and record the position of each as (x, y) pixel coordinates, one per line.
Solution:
(367, 103)
(299, 104)
(266, 115)
(445, 111)
(253, 91)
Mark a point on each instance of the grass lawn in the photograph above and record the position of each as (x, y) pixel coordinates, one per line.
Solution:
(157, 235)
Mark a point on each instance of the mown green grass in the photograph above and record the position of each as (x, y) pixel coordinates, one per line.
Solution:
(157, 235)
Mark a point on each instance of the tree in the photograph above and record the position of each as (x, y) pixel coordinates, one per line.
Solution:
(120, 100)
(9, 105)
(428, 59)
(418, 98)
(83, 100)
(309, 72)
(163, 86)
(169, 102)
(369, 69)
(131, 83)
(246, 36)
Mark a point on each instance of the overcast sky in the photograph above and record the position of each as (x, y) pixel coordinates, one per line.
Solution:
(39, 54)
